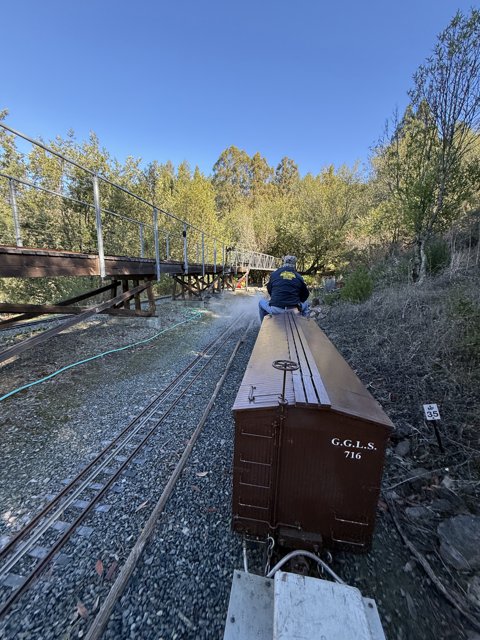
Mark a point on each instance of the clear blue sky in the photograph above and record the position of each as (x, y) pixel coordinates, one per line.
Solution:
(185, 79)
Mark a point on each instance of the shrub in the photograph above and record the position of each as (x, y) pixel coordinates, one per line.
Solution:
(330, 298)
(358, 286)
(438, 255)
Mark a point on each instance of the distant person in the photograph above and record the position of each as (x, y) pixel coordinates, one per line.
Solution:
(287, 290)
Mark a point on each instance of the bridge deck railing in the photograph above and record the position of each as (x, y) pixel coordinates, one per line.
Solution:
(77, 209)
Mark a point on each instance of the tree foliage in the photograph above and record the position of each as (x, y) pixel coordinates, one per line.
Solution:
(427, 165)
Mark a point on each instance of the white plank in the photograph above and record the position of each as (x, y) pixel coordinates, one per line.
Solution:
(250, 610)
(311, 609)
(373, 618)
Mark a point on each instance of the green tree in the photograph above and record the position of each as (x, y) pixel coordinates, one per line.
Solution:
(11, 164)
(427, 163)
(287, 176)
(260, 179)
(158, 184)
(231, 178)
(194, 202)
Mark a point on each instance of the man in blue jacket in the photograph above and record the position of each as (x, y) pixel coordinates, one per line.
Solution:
(287, 290)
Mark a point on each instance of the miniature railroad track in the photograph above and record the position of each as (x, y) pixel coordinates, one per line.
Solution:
(98, 625)
(85, 491)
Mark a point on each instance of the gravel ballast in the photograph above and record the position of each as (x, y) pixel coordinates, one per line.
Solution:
(55, 605)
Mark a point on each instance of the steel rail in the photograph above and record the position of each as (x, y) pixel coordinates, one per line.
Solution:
(96, 630)
(26, 183)
(20, 324)
(137, 427)
(32, 185)
(4, 607)
(89, 171)
(144, 416)
(45, 148)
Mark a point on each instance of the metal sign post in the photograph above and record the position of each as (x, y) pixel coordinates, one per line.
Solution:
(16, 221)
(98, 219)
(432, 414)
(185, 251)
(157, 247)
(142, 242)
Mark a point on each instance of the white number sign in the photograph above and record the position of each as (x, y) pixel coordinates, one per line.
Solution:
(431, 412)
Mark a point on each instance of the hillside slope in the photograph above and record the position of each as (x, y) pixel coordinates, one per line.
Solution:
(410, 346)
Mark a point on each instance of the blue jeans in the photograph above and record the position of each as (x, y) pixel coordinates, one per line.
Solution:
(266, 309)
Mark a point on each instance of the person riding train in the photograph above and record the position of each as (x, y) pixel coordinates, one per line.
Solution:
(287, 290)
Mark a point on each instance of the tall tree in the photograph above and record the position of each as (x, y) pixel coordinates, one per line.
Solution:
(231, 178)
(159, 184)
(427, 163)
(287, 176)
(260, 177)
(313, 224)
(11, 164)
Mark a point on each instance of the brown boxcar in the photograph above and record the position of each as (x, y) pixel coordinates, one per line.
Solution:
(309, 443)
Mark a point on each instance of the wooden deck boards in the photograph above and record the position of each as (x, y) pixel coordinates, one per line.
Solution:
(29, 262)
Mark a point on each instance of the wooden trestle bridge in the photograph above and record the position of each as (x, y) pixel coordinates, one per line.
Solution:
(127, 251)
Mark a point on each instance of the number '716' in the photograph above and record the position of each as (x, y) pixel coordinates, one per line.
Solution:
(353, 455)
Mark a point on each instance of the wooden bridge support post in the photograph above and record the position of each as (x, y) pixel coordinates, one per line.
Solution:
(151, 298)
(138, 304)
(126, 304)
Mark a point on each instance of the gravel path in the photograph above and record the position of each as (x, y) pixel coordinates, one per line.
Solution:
(50, 430)
(181, 586)
(55, 448)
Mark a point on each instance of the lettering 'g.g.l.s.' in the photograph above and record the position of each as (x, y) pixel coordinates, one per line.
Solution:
(287, 275)
(354, 444)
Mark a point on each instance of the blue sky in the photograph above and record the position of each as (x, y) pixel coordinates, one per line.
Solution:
(183, 80)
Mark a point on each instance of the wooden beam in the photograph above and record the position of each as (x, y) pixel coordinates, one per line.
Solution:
(28, 262)
(138, 304)
(186, 287)
(126, 304)
(45, 335)
(26, 315)
(39, 309)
